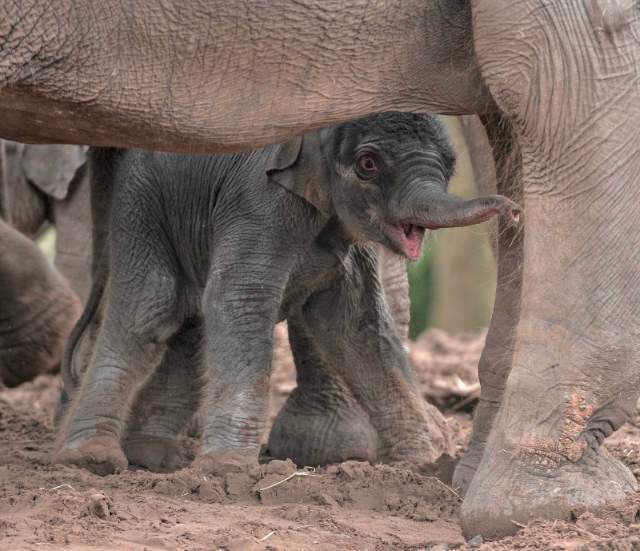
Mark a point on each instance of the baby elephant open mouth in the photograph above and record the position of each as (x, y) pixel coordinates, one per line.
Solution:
(411, 237)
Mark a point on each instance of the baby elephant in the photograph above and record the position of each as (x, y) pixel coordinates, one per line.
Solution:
(208, 253)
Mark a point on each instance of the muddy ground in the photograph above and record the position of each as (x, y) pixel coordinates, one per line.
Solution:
(351, 506)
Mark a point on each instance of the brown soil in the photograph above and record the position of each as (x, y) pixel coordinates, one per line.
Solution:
(348, 506)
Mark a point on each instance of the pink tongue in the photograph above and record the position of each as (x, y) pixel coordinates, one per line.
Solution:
(413, 244)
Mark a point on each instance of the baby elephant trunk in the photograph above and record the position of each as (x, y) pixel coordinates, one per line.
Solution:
(438, 209)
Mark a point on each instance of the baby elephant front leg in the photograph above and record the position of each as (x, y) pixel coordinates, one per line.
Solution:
(240, 314)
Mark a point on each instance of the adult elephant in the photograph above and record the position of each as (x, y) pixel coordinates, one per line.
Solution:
(38, 309)
(557, 83)
(38, 304)
(44, 184)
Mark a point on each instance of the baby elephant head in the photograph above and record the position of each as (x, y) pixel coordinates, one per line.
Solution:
(385, 177)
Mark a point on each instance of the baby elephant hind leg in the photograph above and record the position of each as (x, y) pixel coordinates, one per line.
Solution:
(166, 404)
(139, 319)
(354, 331)
(321, 421)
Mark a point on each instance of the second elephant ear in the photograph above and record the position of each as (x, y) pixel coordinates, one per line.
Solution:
(52, 168)
(297, 165)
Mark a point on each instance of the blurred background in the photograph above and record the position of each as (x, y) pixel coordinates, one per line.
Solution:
(453, 286)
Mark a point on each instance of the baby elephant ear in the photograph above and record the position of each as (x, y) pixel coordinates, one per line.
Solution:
(297, 166)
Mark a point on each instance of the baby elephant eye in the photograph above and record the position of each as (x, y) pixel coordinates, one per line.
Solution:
(366, 166)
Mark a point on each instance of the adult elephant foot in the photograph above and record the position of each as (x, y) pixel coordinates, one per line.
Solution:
(544, 458)
(315, 428)
(519, 485)
(101, 455)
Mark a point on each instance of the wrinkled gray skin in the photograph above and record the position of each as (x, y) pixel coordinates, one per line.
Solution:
(561, 73)
(37, 310)
(208, 253)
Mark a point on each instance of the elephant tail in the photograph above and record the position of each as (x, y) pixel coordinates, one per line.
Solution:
(102, 162)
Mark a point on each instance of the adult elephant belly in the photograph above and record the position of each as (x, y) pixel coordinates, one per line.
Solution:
(574, 375)
(293, 68)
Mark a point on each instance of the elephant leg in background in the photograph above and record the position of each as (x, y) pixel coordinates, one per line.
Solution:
(321, 421)
(97, 188)
(166, 403)
(79, 348)
(495, 362)
(24, 206)
(575, 371)
(38, 310)
(72, 219)
(363, 347)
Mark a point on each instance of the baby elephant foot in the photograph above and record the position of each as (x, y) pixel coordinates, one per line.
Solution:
(222, 463)
(316, 430)
(160, 455)
(421, 438)
(101, 455)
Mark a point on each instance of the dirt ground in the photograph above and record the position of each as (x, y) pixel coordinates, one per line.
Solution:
(351, 506)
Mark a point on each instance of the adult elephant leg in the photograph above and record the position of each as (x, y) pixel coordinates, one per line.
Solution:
(72, 218)
(321, 421)
(495, 362)
(575, 104)
(24, 206)
(166, 404)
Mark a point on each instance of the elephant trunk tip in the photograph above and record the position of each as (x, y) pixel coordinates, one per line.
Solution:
(448, 211)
